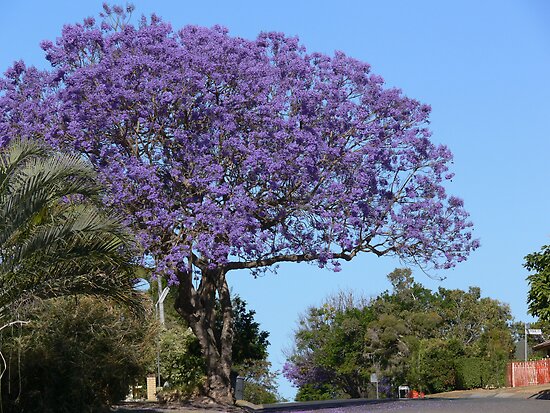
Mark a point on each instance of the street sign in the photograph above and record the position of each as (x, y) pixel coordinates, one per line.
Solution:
(374, 379)
(163, 295)
(534, 331)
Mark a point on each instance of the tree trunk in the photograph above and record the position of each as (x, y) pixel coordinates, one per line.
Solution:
(198, 307)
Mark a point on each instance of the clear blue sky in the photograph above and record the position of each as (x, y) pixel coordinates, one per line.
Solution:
(484, 67)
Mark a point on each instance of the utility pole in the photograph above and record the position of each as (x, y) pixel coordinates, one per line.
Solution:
(160, 309)
(525, 342)
(160, 302)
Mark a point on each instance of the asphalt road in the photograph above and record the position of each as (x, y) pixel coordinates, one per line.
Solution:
(491, 405)
(532, 399)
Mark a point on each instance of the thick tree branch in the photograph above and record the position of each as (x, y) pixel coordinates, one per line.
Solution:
(266, 262)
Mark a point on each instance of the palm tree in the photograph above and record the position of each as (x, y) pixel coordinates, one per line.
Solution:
(54, 238)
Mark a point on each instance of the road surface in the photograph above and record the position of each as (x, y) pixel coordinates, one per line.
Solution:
(485, 405)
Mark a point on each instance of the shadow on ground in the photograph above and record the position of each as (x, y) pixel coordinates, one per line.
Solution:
(541, 395)
(184, 407)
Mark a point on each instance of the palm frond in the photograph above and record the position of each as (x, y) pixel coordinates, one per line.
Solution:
(54, 238)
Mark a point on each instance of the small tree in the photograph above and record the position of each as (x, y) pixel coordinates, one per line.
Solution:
(230, 154)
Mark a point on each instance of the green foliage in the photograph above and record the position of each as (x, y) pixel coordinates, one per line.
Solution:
(467, 315)
(311, 392)
(471, 372)
(249, 342)
(408, 335)
(476, 372)
(497, 346)
(260, 386)
(332, 339)
(56, 240)
(387, 342)
(181, 365)
(539, 283)
(76, 355)
(259, 394)
(344, 351)
(434, 365)
(250, 356)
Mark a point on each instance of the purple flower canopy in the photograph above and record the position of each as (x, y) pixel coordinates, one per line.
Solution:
(226, 152)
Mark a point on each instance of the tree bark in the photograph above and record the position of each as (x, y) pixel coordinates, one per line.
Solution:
(198, 307)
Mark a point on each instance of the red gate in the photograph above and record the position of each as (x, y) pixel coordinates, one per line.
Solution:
(528, 373)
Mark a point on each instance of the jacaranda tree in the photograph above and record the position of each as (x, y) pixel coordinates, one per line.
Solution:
(230, 154)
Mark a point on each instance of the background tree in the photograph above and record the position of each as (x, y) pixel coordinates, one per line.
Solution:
(539, 283)
(408, 335)
(231, 154)
(249, 354)
(328, 359)
(249, 341)
(403, 317)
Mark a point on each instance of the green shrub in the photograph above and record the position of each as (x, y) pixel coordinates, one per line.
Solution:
(258, 394)
(433, 367)
(310, 392)
(75, 356)
(471, 373)
(475, 372)
(181, 364)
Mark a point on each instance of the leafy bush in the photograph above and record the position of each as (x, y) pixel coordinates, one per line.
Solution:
(258, 394)
(181, 365)
(74, 356)
(476, 372)
(471, 373)
(310, 392)
(434, 365)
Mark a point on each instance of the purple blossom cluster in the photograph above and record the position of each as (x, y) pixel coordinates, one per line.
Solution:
(301, 374)
(235, 153)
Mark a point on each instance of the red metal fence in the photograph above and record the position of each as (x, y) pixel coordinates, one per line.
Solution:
(528, 373)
